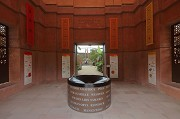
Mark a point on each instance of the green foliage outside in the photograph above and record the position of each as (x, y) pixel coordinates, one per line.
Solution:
(79, 64)
(96, 56)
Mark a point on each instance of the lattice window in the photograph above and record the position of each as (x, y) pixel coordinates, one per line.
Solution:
(3, 30)
(4, 65)
(177, 29)
(176, 43)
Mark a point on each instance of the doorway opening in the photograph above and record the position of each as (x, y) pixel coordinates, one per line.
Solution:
(89, 59)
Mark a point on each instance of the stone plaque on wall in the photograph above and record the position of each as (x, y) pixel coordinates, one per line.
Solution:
(27, 68)
(149, 24)
(152, 67)
(66, 66)
(65, 33)
(113, 66)
(113, 33)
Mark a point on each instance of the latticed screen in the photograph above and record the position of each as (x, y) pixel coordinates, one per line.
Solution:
(176, 44)
(4, 65)
(176, 53)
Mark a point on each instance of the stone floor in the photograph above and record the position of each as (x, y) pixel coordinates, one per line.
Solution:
(129, 101)
(89, 70)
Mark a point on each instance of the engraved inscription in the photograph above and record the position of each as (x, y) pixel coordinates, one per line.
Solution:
(89, 99)
(89, 22)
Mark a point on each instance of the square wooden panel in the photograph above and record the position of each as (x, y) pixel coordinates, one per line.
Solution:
(65, 33)
(113, 33)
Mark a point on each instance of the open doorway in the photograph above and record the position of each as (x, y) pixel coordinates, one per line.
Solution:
(89, 59)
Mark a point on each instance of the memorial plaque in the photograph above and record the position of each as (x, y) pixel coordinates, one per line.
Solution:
(66, 66)
(152, 68)
(113, 66)
(27, 68)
